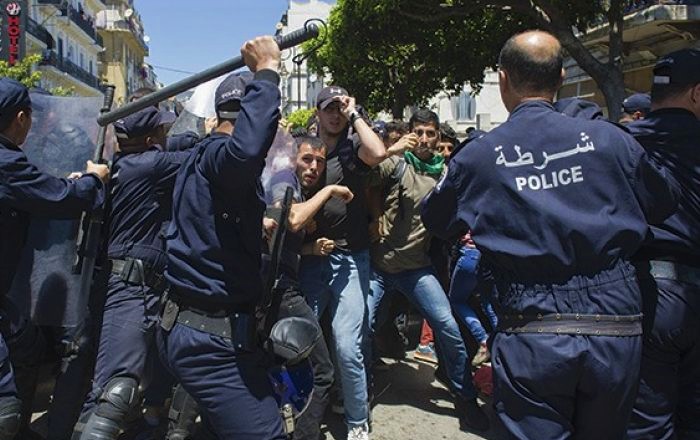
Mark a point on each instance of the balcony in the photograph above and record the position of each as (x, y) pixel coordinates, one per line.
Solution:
(112, 19)
(67, 66)
(82, 21)
(40, 33)
(79, 18)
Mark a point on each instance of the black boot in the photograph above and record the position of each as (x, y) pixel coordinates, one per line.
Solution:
(471, 416)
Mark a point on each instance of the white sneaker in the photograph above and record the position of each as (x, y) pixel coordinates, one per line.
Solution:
(359, 433)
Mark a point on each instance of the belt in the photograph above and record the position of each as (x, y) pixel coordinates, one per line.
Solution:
(670, 270)
(138, 272)
(573, 324)
(238, 327)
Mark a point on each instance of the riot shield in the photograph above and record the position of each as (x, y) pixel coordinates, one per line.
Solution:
(61, 140)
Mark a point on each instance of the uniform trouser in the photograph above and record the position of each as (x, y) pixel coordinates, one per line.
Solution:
(7, 377)
(341, 283)
(127, 335)
(423, 289)
(230, 386)
(77, 353)
(550, 386)
(309, 423)
(668, 402)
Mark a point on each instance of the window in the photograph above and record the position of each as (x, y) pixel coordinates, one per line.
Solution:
(82, 60)
(90, 70)
(465, 108)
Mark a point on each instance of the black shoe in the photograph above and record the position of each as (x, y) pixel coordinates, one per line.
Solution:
(471, 416)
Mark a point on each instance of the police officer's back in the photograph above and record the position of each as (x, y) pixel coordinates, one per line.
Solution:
(25, 192)
(668, 265)
(557, 205)
(214, 241)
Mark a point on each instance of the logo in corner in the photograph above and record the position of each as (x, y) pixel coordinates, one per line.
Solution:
(13, 9)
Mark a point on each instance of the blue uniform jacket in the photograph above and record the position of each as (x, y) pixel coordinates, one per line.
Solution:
(547, 196)
(25, 191)
(141, 203)
(215, 235)
(671, 138)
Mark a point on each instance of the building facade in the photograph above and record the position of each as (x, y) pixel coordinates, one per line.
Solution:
(652, 29)
(126, 45)
(63, 32)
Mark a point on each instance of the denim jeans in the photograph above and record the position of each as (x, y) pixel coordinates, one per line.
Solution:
(423, 289)
(340, 282)
(464, 281)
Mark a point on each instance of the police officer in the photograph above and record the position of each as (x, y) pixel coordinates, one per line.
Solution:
(24, 192)
(557, 206)
(139, 209)
(208, 335)
(668, 266)
(635, 107)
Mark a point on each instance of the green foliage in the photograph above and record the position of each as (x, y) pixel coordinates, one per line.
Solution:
(22, 70)
(394, 53)
(299, 118)
(63, 91)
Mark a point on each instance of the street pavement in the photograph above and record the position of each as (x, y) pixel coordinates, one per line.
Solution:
(411, 404)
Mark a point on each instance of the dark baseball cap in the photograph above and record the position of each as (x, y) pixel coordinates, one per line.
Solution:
(579, 108)
(142, 123)
(639, 102)
(13, 96)
(328, 95)
(681, 67)
(230, 93)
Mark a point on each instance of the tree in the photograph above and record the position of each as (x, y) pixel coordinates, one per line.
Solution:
(455, 40)
(22, 70)
(300, 118)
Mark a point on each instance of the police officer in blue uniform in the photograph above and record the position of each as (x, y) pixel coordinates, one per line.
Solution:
(557, 206)
(668, 265)
(143, 177)
(24, 192)
(208, 337)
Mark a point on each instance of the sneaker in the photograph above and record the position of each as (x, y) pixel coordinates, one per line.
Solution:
(482, 356)
(359, 432)
(471, 416)
(426, 353)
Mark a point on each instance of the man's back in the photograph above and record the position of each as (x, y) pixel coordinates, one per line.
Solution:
(562, 196)
(671, 138)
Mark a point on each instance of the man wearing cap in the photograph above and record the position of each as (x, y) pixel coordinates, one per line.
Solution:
(557, 206)
(668, 265)
(635, 107)
(143, 177)
(25, 192)
(207, 335)
(341, 279)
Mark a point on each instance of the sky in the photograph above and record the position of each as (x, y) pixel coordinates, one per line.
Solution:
(193, 35)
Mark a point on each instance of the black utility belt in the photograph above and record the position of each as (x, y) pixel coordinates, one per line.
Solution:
(138, 272)
(238, 327)
(573, 324)
(670, 270)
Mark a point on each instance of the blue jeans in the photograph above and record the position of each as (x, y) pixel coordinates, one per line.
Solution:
(341, 282)
(464, 281)
(423, 289)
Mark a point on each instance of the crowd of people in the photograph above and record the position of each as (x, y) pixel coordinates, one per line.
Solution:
(579, 236)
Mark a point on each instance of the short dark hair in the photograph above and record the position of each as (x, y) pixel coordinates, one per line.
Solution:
(313, 142)
(528, 73)
(7, 118)
(662, 92)
(447, 133)
(424, 116)
(396, 126)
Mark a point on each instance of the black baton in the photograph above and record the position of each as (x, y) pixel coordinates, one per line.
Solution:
(283, 41)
